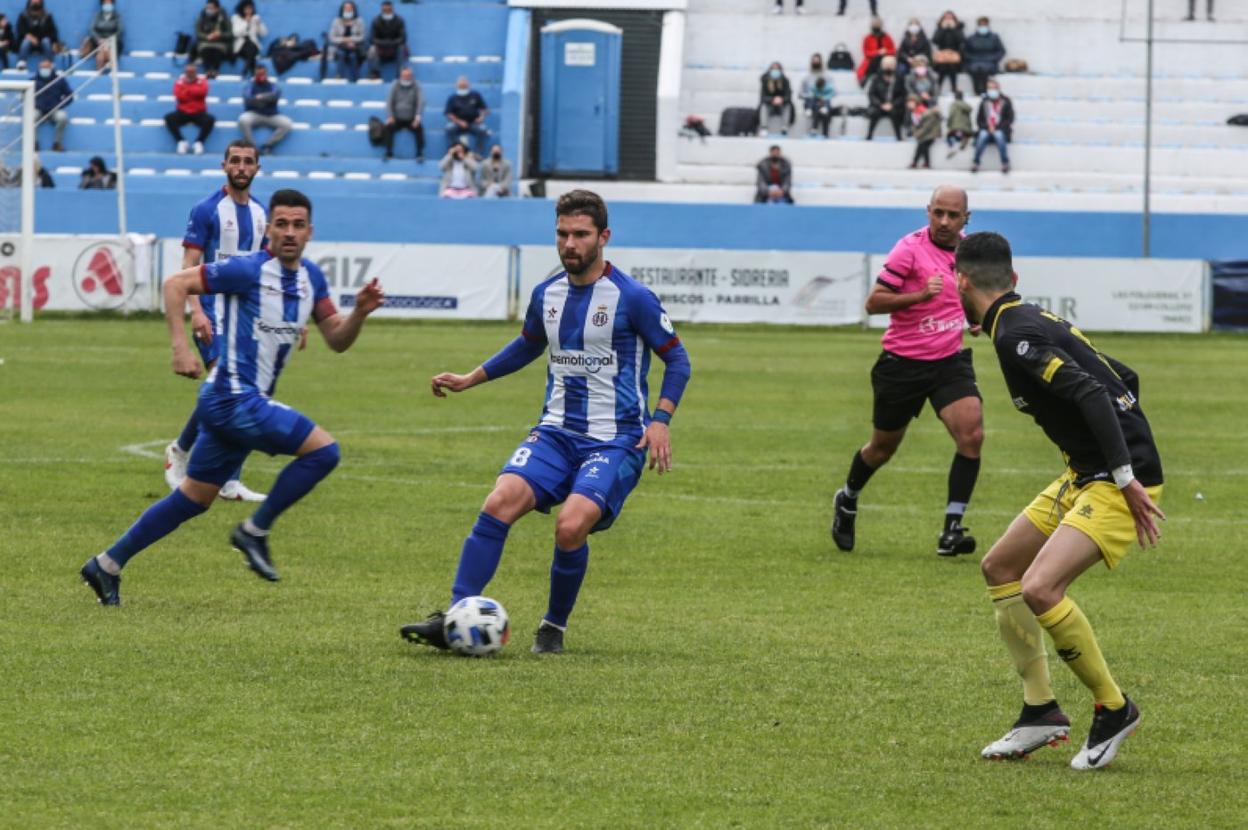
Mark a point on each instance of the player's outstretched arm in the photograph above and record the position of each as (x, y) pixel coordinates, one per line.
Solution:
(176, 289)
(340, 330)
(457, 383)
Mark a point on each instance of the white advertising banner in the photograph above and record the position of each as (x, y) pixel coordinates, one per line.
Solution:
(80, 273)
(1145, 295)
(719, 286)
(454, 282)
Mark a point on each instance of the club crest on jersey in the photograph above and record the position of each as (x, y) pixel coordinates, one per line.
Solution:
(600, 316)
(1023, 346)
(666, 323)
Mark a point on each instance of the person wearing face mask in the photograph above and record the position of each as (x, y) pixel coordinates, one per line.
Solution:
(919, 82)
(775, 100)
(914, 45)
(465, 114)
(37, 33)
(886, 97)
(260, 98)
(949, 40)
(105, 24)
(774, 182)
(459, 173)
(404, 106)
(821, 108)
(996, 124)
(807, 91)
(875, 46)
(925, 127)
(248, 30)
(346, 42)
(982, 55)
(213, 38)
(190, 91)
(387, 40)
(494, 177)
(52, 96)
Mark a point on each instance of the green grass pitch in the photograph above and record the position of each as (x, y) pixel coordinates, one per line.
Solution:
(727, 667)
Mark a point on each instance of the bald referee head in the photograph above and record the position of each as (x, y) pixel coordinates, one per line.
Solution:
(947, 214)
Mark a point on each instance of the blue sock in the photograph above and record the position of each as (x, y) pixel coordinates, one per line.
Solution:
(567, 572)
(479, 558)
(189, 433)
(295, 481)
(157, 522)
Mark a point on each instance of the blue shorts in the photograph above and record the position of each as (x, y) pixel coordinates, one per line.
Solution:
(557, 464)
(233, 425)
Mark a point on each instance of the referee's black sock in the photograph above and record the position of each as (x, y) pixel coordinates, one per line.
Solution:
(860, 473)
(962, 475)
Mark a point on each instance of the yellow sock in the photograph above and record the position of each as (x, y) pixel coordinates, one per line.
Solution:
(1076, 645)
(1025, 640)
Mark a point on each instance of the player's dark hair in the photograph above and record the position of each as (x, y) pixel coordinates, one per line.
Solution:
(986, 260)
(583, 203)
(241, 143)
(290, 198)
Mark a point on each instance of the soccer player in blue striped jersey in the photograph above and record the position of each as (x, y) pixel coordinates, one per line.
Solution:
(228, 223)
(269, 297)
(598, 327)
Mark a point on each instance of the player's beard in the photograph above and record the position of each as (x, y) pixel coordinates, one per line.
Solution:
(241, 182)
(968, 310)
(575, 264)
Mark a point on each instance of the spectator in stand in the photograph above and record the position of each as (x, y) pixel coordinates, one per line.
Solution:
(797, 7)
(213, 38)
(52, 96)
(775, 100)
(387, 40)
(874, 10)
(190, 91)
(404, 106)
(260, 99)
(925, 126)
(775, 179)
(982, 55)
(346, 42)
(459, 173)
(919, 82)
(7, 39)
(1191, 10)
(105, 24)
(959, 130)
(42, 176)
(808, 88)
(875, 47)
(996, 124)
(465, 114)
(821, 108)
(494, 178)
(949, 40)
(886, 98)
(36, 33)
(914, 45)
(249, 30)
(97, 176)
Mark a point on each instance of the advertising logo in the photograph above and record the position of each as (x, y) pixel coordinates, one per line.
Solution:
(98, 279)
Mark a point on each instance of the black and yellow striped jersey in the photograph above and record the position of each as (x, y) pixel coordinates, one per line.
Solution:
(1085, 401)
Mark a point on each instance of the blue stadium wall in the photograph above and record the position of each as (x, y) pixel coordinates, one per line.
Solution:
(529, 221)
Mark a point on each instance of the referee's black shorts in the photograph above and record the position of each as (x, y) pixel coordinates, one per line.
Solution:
(902, 385)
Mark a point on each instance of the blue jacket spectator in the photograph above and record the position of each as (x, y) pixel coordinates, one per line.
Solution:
(260, 98)
(465, 114)
(982, 55)
(52, 95)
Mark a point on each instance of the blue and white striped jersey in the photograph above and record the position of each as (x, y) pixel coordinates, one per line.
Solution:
(600, 337)
(222, 228)
(265, 307)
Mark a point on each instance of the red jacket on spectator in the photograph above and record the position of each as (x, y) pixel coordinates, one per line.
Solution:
(192, 96)
(874, 47)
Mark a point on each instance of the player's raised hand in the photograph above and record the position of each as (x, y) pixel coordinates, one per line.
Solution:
(371, 297)
(1143, 509)
(201, 328)
(935, 285)
(659, 439)
(186, 364)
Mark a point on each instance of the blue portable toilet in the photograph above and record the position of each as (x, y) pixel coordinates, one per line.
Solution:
(580, 102)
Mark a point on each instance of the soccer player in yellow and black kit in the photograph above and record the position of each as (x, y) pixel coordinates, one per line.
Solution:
(1088, 404)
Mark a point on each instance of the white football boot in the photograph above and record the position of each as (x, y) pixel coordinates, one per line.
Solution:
(237, 491)
(175, 465)
(1030, 732)
(1109, 729)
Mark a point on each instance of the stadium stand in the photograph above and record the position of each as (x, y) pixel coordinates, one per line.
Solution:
(328, 152)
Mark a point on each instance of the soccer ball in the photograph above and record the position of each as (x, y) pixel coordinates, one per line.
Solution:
(476, 627)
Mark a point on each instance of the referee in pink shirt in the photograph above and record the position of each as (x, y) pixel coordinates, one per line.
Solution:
(923, 360)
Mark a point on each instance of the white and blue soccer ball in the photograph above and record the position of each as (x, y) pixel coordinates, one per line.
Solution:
(476, 627)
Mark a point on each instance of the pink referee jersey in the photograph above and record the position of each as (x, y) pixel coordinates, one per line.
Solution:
(931, 330)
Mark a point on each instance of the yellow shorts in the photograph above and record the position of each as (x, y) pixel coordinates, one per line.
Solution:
(1097, 509)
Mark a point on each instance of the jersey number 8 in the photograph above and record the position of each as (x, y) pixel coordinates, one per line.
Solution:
(521, 457)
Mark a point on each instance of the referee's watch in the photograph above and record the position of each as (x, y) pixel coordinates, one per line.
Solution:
(1123, 476)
